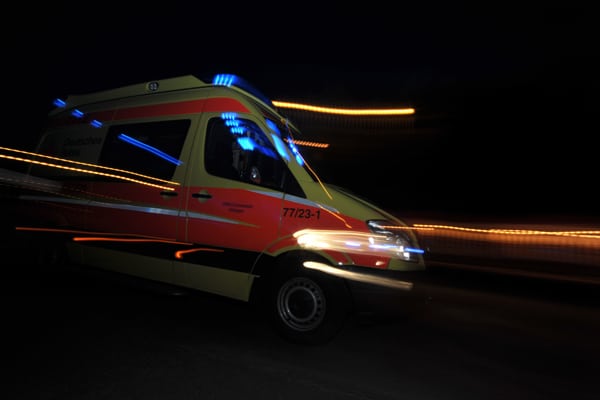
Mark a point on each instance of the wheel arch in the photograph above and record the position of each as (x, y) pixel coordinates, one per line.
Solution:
(266, 269)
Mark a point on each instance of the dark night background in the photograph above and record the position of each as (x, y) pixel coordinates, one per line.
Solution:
(505, 95)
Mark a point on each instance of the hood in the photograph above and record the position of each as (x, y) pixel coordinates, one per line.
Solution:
(356, 205)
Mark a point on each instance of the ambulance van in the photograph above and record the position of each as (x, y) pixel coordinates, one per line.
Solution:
(202, 185)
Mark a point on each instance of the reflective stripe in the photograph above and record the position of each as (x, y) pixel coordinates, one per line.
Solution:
(222, 104)
(128, 207)
(119, 206)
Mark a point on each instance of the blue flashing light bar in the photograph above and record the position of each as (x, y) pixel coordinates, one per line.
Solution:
(149, 148)
(96, 124)
(229, 80)
(224, 80)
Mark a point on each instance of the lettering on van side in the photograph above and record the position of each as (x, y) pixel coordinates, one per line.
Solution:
(307, 213)
(236, 207)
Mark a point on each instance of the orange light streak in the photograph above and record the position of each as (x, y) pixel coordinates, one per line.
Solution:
(85, 164)
(86, 171)
(586, 234)
(344, 111)
(137, 240)
(309, 144)
(179, 254)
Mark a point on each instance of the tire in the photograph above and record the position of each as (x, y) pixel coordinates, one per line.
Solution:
(307, 306)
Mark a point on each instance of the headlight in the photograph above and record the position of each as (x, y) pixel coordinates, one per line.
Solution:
(393, 237)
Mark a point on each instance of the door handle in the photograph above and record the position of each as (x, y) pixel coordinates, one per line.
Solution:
(202, 195)
(168, 193)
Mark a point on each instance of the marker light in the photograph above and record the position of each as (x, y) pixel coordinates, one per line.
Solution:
(77, 114)
(59, 103)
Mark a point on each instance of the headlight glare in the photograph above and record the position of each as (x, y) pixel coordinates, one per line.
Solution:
(394, 238)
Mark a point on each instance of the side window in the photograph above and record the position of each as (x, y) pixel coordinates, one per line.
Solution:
(79, 144)
(149, 148)
(238, 149)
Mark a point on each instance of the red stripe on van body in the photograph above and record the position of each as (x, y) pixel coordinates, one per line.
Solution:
(222, 104)
(219, 104)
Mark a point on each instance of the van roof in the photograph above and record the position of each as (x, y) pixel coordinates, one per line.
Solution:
(138, 89)
(185, 82)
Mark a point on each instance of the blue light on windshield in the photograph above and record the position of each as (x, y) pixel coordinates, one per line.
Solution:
(273, 126)
(149, 148)
(246, 143)
(232, 122)
(280, 146)
(229, 115)
(295, 151)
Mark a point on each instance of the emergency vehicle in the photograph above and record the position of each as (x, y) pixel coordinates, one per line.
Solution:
(201, 185)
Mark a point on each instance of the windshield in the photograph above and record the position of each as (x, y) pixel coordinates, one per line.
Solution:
(284, 136)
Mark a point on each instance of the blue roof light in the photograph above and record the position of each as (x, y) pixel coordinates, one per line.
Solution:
(224, 80)
(234, 80)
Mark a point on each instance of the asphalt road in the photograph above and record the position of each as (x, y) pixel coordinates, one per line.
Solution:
(81, 334)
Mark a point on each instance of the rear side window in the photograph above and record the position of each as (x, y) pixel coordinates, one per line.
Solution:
(149, 148)
(75, 148)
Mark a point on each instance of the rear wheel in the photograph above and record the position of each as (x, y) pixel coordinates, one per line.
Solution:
(308, 306)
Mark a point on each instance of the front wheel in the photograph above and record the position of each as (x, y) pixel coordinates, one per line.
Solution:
(308, 307)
